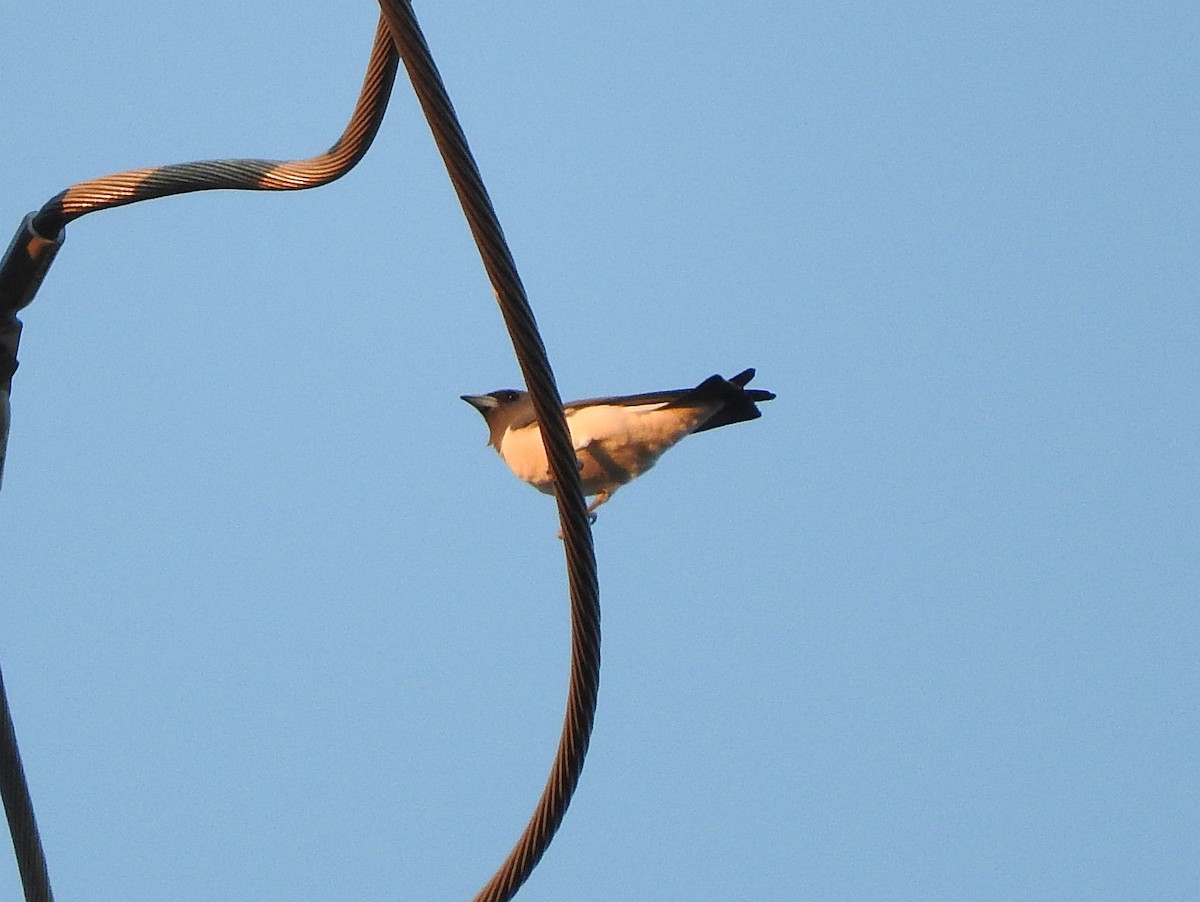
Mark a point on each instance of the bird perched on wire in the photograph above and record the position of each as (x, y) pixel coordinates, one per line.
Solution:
(616, 439)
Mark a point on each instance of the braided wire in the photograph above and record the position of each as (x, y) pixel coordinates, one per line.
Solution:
(397, 31)
(535, 367)
(247, 175)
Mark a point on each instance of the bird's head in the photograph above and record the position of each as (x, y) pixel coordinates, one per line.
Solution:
(502, 409)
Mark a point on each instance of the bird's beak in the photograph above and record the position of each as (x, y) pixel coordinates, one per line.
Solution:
(482, 403)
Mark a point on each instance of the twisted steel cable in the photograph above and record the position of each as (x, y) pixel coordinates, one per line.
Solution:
(247, 175)
(535, 367)
(401, 33)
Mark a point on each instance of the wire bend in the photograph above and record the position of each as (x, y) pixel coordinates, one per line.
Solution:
(246, 175)
(26, 262)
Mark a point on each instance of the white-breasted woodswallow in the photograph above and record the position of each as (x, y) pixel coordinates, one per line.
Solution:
(616, 439)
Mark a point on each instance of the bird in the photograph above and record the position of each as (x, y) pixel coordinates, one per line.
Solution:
(616, 439)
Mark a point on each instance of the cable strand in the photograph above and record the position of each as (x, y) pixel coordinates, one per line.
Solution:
(539, 378)
(397, 34)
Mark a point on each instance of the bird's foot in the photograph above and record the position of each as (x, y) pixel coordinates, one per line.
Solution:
(591, 518)
(600, 498)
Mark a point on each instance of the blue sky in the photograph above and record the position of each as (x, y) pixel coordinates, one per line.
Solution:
(277, 625)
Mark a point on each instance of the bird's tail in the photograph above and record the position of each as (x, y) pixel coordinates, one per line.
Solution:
(740, 403)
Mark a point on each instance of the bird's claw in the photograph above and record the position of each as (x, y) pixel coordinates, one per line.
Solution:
(591, 518)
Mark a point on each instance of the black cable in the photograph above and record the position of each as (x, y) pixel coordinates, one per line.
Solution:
(18, 808)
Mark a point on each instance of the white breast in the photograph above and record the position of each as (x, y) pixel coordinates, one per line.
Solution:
(615, 443)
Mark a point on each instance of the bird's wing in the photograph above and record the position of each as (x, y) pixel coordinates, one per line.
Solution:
(713, 387)
(526, 417)
(739, 399)
(657, 397)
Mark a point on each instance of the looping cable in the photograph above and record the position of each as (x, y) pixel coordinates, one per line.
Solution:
(23, 267)
(397, 36)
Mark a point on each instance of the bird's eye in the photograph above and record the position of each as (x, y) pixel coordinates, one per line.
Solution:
(507, 395)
